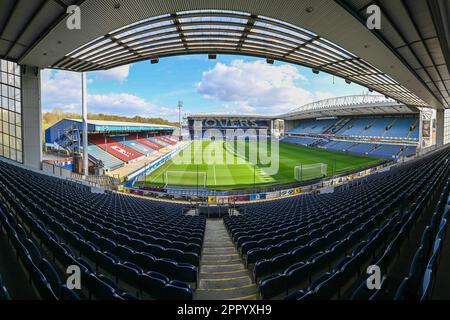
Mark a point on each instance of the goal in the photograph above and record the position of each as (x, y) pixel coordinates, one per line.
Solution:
(305, 172)
(185, 178)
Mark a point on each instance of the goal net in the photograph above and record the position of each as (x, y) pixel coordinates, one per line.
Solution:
(185, 178)
(305, 172)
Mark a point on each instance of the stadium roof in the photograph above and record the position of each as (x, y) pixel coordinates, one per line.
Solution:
(407, 59)
(350, 106)
(228, 116)
(110, 126)
(105, 123)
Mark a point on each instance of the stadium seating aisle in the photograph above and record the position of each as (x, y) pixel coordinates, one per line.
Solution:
(299, 244)
(121, 243)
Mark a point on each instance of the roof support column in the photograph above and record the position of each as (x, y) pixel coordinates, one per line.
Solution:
(31, 117)
(440, 120)
(85, 124)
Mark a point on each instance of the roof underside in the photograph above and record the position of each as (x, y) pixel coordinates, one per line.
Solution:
(403, 60)
(369, 105)
(122, 124)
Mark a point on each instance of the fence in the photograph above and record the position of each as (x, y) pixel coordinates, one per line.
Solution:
(103, 181)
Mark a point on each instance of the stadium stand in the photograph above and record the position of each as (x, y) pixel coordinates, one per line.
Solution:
(362, 148)
(402, 128)
(158, 142)
(315, 246)
(166, 140)
(314, 126)
(386, 150)
(110, 162)
(111, 146)
(386, 127)
(303, 141)
(125, 247)
(133, 144)
(149, 143)
(173, 138)
(372, 149)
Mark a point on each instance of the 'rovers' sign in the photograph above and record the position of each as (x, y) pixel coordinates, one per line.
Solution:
(233, 123)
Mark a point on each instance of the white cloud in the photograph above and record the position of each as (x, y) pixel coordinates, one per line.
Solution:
(256, 86)
(61, 89)
(116, 74)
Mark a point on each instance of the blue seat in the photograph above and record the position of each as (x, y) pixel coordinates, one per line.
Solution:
(153, 284)
(273, 285)
(176, 290)
(100, 289)
(129, 273)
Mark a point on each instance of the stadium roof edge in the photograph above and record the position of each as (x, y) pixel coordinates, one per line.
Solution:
(121, 123)
(350, 105)
(225, 115)
(260, 28)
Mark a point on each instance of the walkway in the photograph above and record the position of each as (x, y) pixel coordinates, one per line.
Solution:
(222, 272)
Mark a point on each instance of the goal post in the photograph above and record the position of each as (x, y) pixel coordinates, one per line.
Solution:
(305, 172)
(185, 178)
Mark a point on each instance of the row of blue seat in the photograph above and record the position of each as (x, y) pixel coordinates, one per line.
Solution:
(329, 285)
(386, 258)
(417, 283)
(118, 258)
(396, 188)
(49, 283)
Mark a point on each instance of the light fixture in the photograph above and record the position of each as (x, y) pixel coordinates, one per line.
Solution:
(212, 56)
(154, 60)
(348, 81)
(315, 71)
(269, 61)
(309, 9)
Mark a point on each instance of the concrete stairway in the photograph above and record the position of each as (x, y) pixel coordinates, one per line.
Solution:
(222, 272)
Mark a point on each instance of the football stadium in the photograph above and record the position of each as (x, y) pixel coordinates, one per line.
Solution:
(342, 197)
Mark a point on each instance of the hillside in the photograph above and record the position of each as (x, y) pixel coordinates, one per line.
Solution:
(50, 118)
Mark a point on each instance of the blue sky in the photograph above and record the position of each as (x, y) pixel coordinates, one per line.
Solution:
(231, 84)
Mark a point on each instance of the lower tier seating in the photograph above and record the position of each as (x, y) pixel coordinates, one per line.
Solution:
(317, 246)
(125, 247)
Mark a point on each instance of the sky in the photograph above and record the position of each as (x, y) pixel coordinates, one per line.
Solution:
(229, 84)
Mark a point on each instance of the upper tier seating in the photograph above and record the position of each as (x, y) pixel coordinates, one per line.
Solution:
(379, 127)
(314, 246)
(126, 247)
(111, 146)
(110, 162)
(401, 128)
(355, 127)
(313, 126)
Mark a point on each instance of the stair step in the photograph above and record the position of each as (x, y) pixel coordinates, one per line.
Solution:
(222, 272)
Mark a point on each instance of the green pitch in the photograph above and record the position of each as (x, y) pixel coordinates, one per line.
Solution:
(242, 174)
